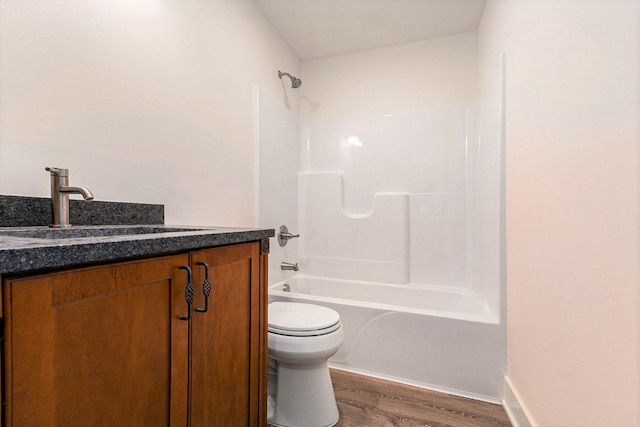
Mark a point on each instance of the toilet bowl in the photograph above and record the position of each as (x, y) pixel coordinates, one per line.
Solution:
(301, 339)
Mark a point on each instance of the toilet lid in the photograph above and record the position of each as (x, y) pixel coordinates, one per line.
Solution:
(298, 319)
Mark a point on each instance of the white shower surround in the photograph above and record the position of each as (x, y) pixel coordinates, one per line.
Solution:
(386, 199)
(420, 212)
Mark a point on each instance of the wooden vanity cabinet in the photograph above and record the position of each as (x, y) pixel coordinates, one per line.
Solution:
(226, 340)
(106, 345)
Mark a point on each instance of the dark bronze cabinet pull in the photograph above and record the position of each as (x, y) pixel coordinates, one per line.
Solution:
(188, 293)
(206, 288)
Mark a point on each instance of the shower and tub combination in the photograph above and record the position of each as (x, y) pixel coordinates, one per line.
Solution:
(399, 220)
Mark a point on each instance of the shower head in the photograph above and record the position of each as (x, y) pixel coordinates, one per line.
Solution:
(295, 82)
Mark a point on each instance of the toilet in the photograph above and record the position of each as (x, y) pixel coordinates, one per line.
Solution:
(301, 339)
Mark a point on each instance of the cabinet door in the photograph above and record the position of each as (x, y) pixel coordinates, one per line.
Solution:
(101, 346)
(225, 352)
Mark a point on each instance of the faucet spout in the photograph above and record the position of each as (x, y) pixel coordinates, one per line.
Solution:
(60, 191)
(84, 191)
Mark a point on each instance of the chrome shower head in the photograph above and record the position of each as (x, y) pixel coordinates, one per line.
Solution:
(295, 82)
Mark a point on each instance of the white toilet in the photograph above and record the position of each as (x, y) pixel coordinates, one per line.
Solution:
(302, 337)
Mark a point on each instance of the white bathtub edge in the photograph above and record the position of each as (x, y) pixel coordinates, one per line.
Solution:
(513, 406)
(485, 316)
(454, 392)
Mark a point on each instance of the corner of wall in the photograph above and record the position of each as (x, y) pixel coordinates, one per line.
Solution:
(514, 406)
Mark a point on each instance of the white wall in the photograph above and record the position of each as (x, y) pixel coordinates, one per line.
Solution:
(143, 100)
(437, 73)
(572, 205)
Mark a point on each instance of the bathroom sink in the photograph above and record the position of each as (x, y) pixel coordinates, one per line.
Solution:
(70, 233)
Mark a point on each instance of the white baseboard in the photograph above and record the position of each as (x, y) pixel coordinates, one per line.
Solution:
(514, 407)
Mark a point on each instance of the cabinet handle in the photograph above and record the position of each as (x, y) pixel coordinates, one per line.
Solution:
(206, 288)
(188, 293)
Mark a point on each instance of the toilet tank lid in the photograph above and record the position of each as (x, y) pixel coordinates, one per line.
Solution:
(295, 316)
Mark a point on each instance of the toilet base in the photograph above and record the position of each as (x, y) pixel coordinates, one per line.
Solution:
(305, 396)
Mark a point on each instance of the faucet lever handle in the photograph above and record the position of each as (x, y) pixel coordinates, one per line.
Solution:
(57, 171)
(284, 235)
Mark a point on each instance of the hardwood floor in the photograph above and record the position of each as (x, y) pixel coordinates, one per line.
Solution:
(371, 402)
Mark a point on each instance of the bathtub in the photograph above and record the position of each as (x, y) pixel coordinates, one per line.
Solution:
(432, 337)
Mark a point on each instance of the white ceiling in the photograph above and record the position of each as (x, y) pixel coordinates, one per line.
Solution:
(320, 28)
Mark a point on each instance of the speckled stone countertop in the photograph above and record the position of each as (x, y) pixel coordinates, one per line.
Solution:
(102, 232)
(26, 211)
(28, 254)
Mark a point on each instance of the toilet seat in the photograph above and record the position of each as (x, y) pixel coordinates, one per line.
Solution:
(302, 320)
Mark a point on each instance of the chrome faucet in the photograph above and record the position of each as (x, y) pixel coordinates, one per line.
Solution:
(60, 191)
(289, 266)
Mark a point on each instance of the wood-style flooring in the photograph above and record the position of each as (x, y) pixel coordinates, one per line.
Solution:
(371, 402)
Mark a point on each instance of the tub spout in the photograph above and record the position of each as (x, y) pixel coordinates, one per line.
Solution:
(289, 266)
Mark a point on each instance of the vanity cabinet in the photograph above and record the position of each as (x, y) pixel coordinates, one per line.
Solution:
(109, 345)
(228, 342)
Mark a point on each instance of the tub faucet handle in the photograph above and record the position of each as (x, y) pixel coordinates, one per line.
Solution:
(284, 235)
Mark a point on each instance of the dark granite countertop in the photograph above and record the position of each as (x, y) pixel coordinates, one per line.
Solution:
(26, 211)
(102, 232)
(19, 254)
